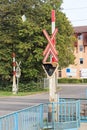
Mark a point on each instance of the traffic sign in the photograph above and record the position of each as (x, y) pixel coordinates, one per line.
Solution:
(50, 49)
(50, 52)
(50, 45)
(50, 68)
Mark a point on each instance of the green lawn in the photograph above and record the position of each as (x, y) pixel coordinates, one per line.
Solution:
(6, 93)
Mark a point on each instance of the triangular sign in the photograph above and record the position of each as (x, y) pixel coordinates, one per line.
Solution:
(50, 68)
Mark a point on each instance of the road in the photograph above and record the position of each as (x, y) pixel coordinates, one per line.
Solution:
(14, 103)
(73, 91)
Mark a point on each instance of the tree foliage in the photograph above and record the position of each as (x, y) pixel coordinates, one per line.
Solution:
(26, 38)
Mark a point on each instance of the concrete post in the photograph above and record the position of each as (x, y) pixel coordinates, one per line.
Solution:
(14, 86)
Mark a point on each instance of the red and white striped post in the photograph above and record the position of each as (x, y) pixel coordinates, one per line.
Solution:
(53, 29)
(14, 87)
(53, 20)
(14, 64)
(53, 79)
(53, 58)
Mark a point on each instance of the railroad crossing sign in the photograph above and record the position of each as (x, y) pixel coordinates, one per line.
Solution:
(50, 67)
(50, 49)
(18, 70)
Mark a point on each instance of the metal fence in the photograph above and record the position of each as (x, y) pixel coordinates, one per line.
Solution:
(83, 111)
(65, 115)
(62, 115)
(83, 107)
(29, 118)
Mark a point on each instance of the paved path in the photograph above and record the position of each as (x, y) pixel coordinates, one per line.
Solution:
(14, 103)
(11, 104)
(83, 126)
(73, 90)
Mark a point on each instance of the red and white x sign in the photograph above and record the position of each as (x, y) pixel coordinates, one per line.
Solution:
(50, 49)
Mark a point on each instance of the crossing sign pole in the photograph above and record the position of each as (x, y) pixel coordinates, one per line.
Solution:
(51, 67)
(53, 79)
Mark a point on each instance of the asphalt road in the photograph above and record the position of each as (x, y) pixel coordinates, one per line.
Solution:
(14, 103)
(73, 91)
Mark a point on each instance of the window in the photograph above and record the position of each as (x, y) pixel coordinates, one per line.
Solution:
(81, 60)
(80, 37)
(81, 48)
(68, 70)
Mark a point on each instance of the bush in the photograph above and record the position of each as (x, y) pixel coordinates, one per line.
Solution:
(30, 87)
(5, 85)
(70, 80)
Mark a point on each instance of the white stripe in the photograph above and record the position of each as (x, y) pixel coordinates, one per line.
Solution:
(13, 59)
(53, 27)
(13, 68)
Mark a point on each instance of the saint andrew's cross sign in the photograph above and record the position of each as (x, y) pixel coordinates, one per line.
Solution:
(50, 48)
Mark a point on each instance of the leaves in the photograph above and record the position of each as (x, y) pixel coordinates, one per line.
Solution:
(26, 39)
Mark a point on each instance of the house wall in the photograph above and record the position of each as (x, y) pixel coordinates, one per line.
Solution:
(78, 69)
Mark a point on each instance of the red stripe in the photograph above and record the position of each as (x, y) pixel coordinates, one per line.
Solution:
(53, 16)
(14, 72)
(14, 63)
(54, 60)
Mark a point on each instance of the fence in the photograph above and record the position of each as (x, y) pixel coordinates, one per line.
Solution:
(83, 112)
(83, 107)
(62, 115)
(26, 119)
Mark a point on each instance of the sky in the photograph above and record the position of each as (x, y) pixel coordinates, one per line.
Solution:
(76, 11)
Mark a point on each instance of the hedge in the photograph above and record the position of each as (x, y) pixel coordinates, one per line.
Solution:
(70, 80)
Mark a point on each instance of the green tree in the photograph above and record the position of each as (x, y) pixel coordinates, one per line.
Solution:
(26, 38)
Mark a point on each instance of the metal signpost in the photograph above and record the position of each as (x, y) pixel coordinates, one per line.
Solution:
(18, 73)
(51, 66)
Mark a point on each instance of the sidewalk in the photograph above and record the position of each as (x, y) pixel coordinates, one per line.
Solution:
(83, 126)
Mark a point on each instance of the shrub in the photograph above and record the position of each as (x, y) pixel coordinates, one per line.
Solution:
(30, 87)
(71, 80)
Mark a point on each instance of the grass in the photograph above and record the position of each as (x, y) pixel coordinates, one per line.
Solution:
(6, 93)
(9, 93)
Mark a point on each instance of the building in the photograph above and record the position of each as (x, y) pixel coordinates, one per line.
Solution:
(79, 68)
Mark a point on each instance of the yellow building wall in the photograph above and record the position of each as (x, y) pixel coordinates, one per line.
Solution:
(77, 66)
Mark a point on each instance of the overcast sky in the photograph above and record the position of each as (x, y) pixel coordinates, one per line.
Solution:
(76, 11)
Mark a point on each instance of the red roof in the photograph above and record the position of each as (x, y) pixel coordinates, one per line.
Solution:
(80, 29)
